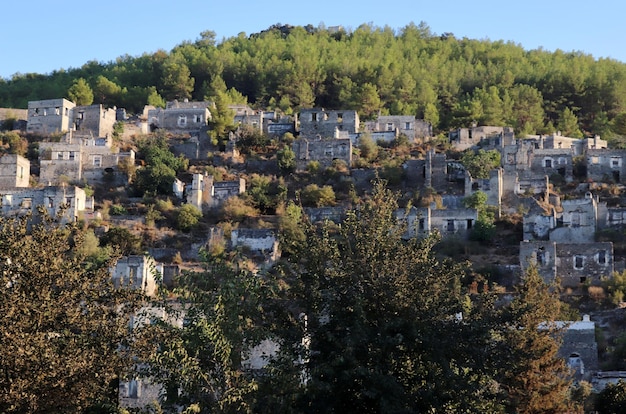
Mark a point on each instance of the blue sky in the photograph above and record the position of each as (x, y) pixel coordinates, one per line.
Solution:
(42, 35)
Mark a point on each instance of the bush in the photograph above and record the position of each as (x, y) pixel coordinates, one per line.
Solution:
(314, 196)
(188, 217)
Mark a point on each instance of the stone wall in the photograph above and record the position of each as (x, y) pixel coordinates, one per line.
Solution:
(322, 151)
(14, 171)
(49, 116)
(318, 122)
(606, 165)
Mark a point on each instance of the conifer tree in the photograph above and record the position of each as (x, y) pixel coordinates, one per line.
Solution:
(535, 379)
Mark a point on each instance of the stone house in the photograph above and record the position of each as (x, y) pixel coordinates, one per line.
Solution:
(94, 119)
(573, 221)
(495, 136)
(449, 222)
(68, 202)
(246, 116)
(50, 116)
(406, 125)
(319, 123)
(432, 171)
(260, 244)
(548, 162)
(579, 348)
(14, 171)
(138, 272)
(492, 186)
(19, 116)
(179, 117)
(60, 115)
(78, 157)
(204, 192)
(578, 146)
(606, 165)
(573, 264)
(321, 214)
(323, 151)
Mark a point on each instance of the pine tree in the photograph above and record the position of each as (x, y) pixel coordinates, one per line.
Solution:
(535, 379)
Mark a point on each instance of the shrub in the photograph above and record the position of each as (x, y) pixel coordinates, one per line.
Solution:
(188, 217)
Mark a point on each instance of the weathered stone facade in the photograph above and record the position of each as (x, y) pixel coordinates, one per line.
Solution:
(67, 201)
(77, 157)
(448, 222)
(434, 171)
(319, 123)
(492, 186)
(138, 272)
(14, 171)
(406, 125)
(50, 116)
(321, 214)
(204, 192)
(496, 136)
(606, 165)
(573, 264)
(94, 119)
(579, 348)
(260, 244)
(60, 115)
(323, 151)
(576, 221)
(179, 117)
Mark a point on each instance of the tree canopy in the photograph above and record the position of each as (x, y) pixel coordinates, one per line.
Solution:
(449, 81)
(64, 325)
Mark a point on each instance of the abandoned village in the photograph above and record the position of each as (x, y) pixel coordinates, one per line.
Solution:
(83, 160)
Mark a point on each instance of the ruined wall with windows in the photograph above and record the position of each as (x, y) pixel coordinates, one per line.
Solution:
(68, 202)
(318, 122)
(95, 119)
(137, 272)
(14, 171)
(323, 151)
(573, 264)
(49, 116)
(606, 165)
(552, 163)
(77, 157)
(179, 117)
(204, 192)
(406, 125)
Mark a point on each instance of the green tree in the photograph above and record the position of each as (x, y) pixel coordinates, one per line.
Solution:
(368, 148)
(80, 92)
(534, 378)
(568, 124)
(106, 91)
(176, 80)
(286, 159)
(480, 163)
(315, 196)
(155, 99)
(120, 238)
(64, 325)
(484, 229)
(159, 174)
(188, 217)
(527, 113)
(199, 364)
(375, 343)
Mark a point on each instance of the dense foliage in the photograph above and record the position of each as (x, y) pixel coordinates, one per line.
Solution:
(448, 81)
(63, 325)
